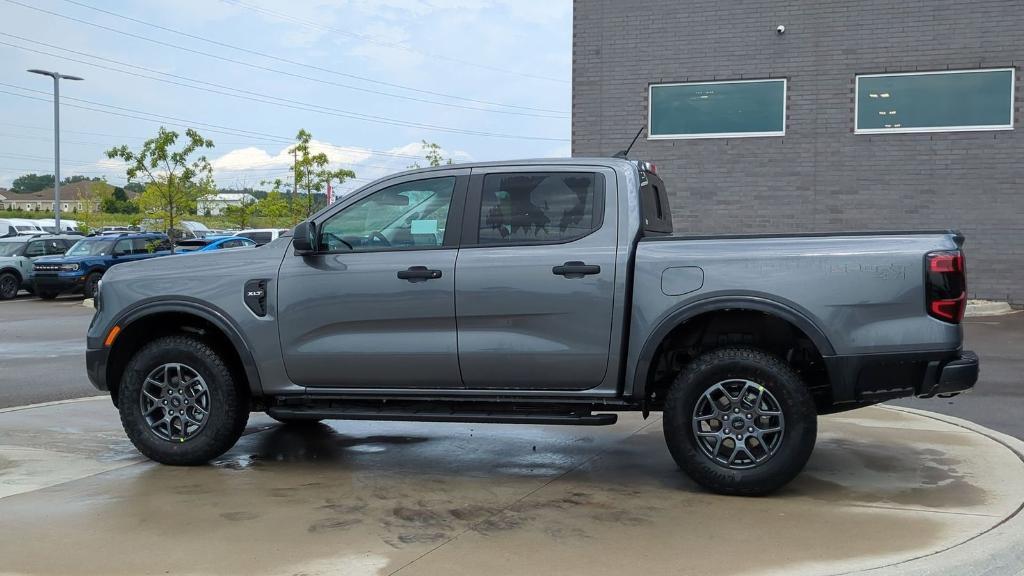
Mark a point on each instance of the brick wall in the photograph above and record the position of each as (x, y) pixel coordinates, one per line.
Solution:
(820, 176)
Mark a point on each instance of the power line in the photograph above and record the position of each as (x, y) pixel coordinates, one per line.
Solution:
(256, 97)
(267, 68)
(184, 123)
(372, 40)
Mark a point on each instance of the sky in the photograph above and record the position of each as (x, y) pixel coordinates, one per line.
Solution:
(370, 79)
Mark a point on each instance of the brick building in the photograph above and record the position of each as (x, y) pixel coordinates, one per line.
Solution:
(874, 114)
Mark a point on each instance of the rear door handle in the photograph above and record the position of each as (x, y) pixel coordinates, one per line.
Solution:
(418, 274)
(575, 269)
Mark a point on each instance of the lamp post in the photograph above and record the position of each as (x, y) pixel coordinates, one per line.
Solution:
(57, 77)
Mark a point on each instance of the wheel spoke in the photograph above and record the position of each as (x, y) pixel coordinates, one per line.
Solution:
(738, 404)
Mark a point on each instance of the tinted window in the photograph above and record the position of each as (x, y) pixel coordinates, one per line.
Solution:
(407, 215)
(718, 109)
(975, 99)
(525, 208)
(123, 247)
(55, 246)
(35, 249)
(258, 237)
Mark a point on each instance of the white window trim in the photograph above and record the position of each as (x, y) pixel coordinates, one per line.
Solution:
(983, 128)
(650, 111)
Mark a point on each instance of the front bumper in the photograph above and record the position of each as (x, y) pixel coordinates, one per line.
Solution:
(61, 282)
(950, 378)
(96, 367)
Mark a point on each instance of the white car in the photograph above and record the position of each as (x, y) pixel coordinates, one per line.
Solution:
(19, 227)
(50, 225)
(263, 235)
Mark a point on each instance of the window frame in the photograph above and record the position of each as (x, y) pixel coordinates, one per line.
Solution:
(710, 135)
(452, 224)
(474, 203)
(924, 130)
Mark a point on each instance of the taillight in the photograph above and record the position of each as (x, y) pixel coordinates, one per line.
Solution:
(946, 285)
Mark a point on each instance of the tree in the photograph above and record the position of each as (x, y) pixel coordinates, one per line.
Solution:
(174, 179)
(312, 171)
(92, 200)
(242, 214)
(31, 183)
(118, 203)
(432, 153)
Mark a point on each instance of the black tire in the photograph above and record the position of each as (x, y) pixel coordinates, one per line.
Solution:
(228, 406)
(295, 421)
(91, 284)
(9, 285)
(796, 440)
(47, 294)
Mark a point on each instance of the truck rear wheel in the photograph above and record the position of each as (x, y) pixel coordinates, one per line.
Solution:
(740, 421)
(179, 404)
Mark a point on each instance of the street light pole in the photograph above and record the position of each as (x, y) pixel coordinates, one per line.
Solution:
(57, 77)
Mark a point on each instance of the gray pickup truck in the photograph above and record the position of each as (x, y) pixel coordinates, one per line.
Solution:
(533, 292)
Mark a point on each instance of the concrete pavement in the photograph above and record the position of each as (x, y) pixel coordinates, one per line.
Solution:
(885, 490)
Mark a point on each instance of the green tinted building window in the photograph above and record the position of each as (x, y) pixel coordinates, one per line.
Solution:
(718, 109)
(935, 101)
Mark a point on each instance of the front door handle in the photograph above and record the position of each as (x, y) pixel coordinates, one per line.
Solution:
(418, 274)
(575, 269)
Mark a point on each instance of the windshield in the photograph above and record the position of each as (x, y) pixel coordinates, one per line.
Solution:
(91, 247)
(10, 248)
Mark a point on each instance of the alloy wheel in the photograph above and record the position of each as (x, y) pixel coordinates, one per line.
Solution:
(738, 424)
(175, 401)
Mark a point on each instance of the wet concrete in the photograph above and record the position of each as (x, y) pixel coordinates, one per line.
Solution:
(377, 497)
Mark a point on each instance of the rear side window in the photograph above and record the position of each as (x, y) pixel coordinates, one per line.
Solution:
(55, 247)
(530, 208)
(35, 249)
(258, 237)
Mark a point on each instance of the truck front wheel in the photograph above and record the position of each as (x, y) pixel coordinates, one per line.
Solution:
(740, 421)
(179, 404)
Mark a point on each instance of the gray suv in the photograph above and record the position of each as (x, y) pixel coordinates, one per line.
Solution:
(17, 255)
(534, 292)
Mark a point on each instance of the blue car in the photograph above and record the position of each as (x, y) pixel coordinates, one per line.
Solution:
(211, 244)
(82, 266)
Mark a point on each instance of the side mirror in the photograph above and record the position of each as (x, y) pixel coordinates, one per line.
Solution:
(302, 238)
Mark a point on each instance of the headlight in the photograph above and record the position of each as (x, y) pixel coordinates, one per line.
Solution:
(68, 267)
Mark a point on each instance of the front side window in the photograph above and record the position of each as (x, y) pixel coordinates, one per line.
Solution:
(35, 249)
(400, 217)
(935, 101)
(528, 208)
(732, 109)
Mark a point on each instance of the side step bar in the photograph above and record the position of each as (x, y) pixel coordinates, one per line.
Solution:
(442, 413)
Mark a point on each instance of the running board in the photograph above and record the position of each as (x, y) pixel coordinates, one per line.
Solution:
(442, 413)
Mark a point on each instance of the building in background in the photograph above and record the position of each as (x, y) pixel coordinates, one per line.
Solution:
(215, 204)
(823, 115)
(74, 197)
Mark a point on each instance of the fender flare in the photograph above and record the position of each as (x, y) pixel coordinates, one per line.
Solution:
(17, 273)
(686, 312)
(206, 311)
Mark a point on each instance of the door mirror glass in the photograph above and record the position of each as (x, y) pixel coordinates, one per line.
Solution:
(302, 237)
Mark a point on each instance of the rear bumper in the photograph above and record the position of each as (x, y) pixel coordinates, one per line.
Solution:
(871, 378)
(951, 378)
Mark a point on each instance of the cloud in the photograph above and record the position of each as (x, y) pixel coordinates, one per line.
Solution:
(253, 158)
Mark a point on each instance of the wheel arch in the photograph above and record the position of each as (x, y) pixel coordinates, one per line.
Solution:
(160, 317)
(686, 314)
(15, 271)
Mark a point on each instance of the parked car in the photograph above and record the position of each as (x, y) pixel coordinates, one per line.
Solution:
(212, 244)
(537, 292)
(19, 227)
(50, 225)
(82, 266)
(117, 230)
(17, 255)
(263, 235)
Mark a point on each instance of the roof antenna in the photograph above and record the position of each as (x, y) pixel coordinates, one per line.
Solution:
(625, 153)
